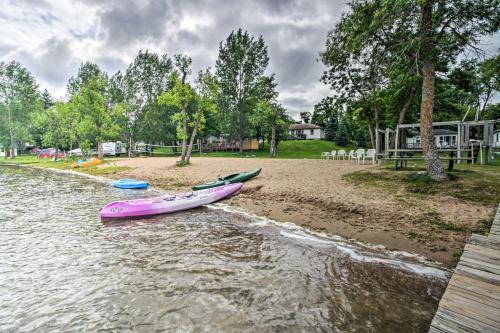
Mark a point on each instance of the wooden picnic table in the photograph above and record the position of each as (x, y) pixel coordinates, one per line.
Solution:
(402, 156)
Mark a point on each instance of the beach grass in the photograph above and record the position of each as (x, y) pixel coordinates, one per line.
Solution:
(474, 183)
(65, 164)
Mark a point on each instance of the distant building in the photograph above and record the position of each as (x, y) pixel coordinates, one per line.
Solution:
(306, 132)
(444, 138)
(496, 139)
(4, 149)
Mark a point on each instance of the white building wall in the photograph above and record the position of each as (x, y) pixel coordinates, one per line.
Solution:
(496, 140)
(310, 134)
(2, 151)
(313, 134)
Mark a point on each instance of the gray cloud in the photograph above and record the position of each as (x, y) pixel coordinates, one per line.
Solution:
(53, 62)
(127, 22)
(111, 33)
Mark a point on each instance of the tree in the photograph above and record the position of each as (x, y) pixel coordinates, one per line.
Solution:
(242, 61)
(380, 41)
(144, 80)
(332, 127)
(19, 98)
(446, 29)
(476, 83)
(342, 136)
(206, 99)
(180, 96)
(305, 116)
(323, 110)
(270, 116)
(57, 125)
(48, 101)
(94, 119)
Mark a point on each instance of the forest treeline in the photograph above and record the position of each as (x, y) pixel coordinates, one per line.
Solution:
(387, 62)
(157, 99)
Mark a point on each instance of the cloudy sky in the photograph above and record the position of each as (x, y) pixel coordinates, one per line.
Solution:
(52, 38)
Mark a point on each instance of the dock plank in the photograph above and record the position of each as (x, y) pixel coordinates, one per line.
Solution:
(471, 302)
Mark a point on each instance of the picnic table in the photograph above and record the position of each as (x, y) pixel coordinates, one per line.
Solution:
(402, 156)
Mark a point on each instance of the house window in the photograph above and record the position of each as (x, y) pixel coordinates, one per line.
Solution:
(312, 132)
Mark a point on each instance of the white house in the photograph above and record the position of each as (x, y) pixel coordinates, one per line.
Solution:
(306, 131)
(443, 138)
(496, 138)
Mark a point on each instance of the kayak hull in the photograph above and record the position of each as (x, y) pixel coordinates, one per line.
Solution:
(130, 184)
(87, 164)
(168, 203)
(231, 179)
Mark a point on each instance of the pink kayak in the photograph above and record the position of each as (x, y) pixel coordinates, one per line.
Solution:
(168, 203)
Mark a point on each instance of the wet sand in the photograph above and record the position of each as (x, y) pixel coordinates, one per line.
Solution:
(313, 194)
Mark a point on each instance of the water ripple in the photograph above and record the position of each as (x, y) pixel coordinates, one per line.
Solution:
(200, 271)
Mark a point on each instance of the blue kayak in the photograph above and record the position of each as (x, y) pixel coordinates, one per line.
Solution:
(130, 183)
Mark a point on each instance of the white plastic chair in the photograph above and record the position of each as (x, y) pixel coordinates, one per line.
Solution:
(359, 155)
(371, 153)
(333, 154)
(351, 154)
(325, 155)
(341, 153)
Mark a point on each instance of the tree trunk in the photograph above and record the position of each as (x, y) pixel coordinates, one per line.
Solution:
(273, 141)
(184, 139)
(403, 113)
(241, 144)
(12, 149)
(191, 141)
(55, 155)
(370, 131)
(100, 151)
(129, 145)
(433, 164)
(377, 126)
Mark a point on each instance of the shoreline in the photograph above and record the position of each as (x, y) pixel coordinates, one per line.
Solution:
(314, 194)
(363, 251)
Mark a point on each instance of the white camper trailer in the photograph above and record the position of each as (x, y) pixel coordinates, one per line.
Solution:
(114, 148)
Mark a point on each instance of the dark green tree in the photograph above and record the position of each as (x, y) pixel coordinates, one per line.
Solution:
(332, 127)
(323, 110)
(305, 116)
(19, 100)
(342, 135)
(242, 61)
(48, 100)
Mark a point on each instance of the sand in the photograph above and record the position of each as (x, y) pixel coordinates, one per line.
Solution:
(313, 194)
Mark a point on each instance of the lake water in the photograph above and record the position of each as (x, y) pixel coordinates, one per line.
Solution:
(206, 270)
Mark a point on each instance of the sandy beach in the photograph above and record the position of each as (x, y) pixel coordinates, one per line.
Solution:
(313, 194)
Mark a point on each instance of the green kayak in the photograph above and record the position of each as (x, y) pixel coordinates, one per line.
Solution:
(234, 178)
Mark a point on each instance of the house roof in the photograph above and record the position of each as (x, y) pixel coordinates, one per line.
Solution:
(303, 126)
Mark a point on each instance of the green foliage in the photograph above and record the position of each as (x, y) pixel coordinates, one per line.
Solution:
(242, 61)
(306, 117)
(19, 100)
(180, 97)
(57, 126)
(144, 80)
(332, 127)
(323, 111)
(96, 118)
(342, 135)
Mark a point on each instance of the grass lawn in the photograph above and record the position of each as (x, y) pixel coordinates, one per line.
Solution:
(478, 184)
(62, 164)
(287, 149)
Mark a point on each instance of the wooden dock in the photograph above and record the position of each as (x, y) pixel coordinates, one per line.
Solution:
(471, 302)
